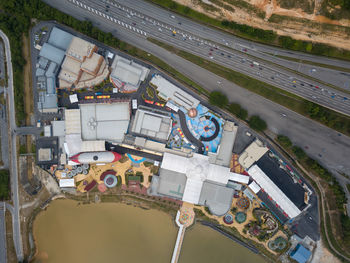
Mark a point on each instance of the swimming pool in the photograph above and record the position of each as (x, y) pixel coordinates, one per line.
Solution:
(135, 161)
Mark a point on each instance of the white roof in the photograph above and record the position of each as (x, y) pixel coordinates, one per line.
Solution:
(73, 98)
(273, 191)
(167, 90)
(72, 118)
(239, 178)
(198, 169)
(67, 183)
(254, 187)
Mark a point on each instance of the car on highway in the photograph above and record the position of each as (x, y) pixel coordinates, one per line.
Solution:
(244, 49)
(211, 57)
(272, 77)
(172, 16)
(160, 29)
(302, 84)
(211, 49)
(294, 86)
(228, 56)
(222, 54)
(294, 81)
(210, 54)
(252, 65)
(317, 87)
(133, 23)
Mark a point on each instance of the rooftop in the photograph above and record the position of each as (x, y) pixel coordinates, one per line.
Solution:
(59, 38)
(104, 121)
(151, 123)
(52, 53)
(252, 153)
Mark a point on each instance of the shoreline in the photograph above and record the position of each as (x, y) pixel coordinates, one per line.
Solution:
(42, 208)
(233, 238)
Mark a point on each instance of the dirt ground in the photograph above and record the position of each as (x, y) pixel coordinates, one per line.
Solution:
(322, 255)
(289, 27)
(28, 94)
(11, 252)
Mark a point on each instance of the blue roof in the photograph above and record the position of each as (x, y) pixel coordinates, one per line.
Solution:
(52, 53)
(50, 72)
(60, 39)
(300, 254)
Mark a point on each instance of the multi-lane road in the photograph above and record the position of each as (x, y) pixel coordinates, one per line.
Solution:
(17, 237)
(138, 18)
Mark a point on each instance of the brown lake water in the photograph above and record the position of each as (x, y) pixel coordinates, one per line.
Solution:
(111, 232)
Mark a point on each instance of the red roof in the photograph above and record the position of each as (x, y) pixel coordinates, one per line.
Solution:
(90, 186)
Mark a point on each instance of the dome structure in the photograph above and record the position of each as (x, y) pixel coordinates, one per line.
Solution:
(110, 180)
(192, 113)
(228, 219)
(240, 217)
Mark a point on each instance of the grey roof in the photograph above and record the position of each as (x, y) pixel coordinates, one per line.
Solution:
(59, 38)
(43, 62)
(47, 101)
(39, 72)
(151, 124)
(50, 72)
(171, 183)
(50, 86)
(52, 53)
(218, 198)
(58, 128)
(104, 121)
(233, 185)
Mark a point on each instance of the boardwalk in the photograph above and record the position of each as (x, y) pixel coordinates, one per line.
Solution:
(184, 218)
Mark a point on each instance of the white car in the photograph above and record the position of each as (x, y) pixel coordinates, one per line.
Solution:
(160, 29)
(211, 57)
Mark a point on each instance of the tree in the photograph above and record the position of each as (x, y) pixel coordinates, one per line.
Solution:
(256, 123)
(218, 99)
(284, 141)
(299, 153)
(237, 110)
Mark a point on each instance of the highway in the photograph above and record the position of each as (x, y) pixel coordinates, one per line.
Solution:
(13, 158)
(3, 253)
(146, 26)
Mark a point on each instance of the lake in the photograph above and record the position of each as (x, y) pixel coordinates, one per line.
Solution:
(114, 232)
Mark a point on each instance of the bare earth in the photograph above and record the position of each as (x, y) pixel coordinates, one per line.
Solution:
(313, 30)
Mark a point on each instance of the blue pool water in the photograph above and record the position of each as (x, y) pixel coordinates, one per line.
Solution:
(136, 161)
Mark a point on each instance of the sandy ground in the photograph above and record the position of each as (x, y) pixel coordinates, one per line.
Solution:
(294, 29)
(240, 227)
(322, 255)
(120, 169)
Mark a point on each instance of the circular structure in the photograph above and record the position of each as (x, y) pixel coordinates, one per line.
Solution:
(102, 188)
(183, 218)
(85, 172)
(74, 173)
(228, 219)
(208, 129)
(79, 170)
(85, 166)
(240, 217)
(278, 244)
(110, 180)
(69, 174)
(243, 203)
(192, 113)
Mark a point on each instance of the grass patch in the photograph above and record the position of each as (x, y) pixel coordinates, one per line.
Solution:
(4, 185)
(316, 112)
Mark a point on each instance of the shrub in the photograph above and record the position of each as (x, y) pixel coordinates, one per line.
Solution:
(284, 141)
(256, 123)
(218, 99)
(237, 110)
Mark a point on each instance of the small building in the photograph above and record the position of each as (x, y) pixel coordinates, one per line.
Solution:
(169, 91)
(127, 75)
(252, 153)
(152, 123)
(44, 154)
(300, 254)
(67, 183)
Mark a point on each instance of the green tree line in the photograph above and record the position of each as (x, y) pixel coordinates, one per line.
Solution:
(334, 186)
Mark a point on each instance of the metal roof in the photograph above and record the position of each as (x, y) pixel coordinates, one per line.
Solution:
(67, 183)
(59, 38)
(52, 53)
(167, 90)
(273, 191)
(105, 121)
(217, 197)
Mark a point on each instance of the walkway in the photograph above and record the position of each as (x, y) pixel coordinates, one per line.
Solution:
(184, 218)
(188, 134)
